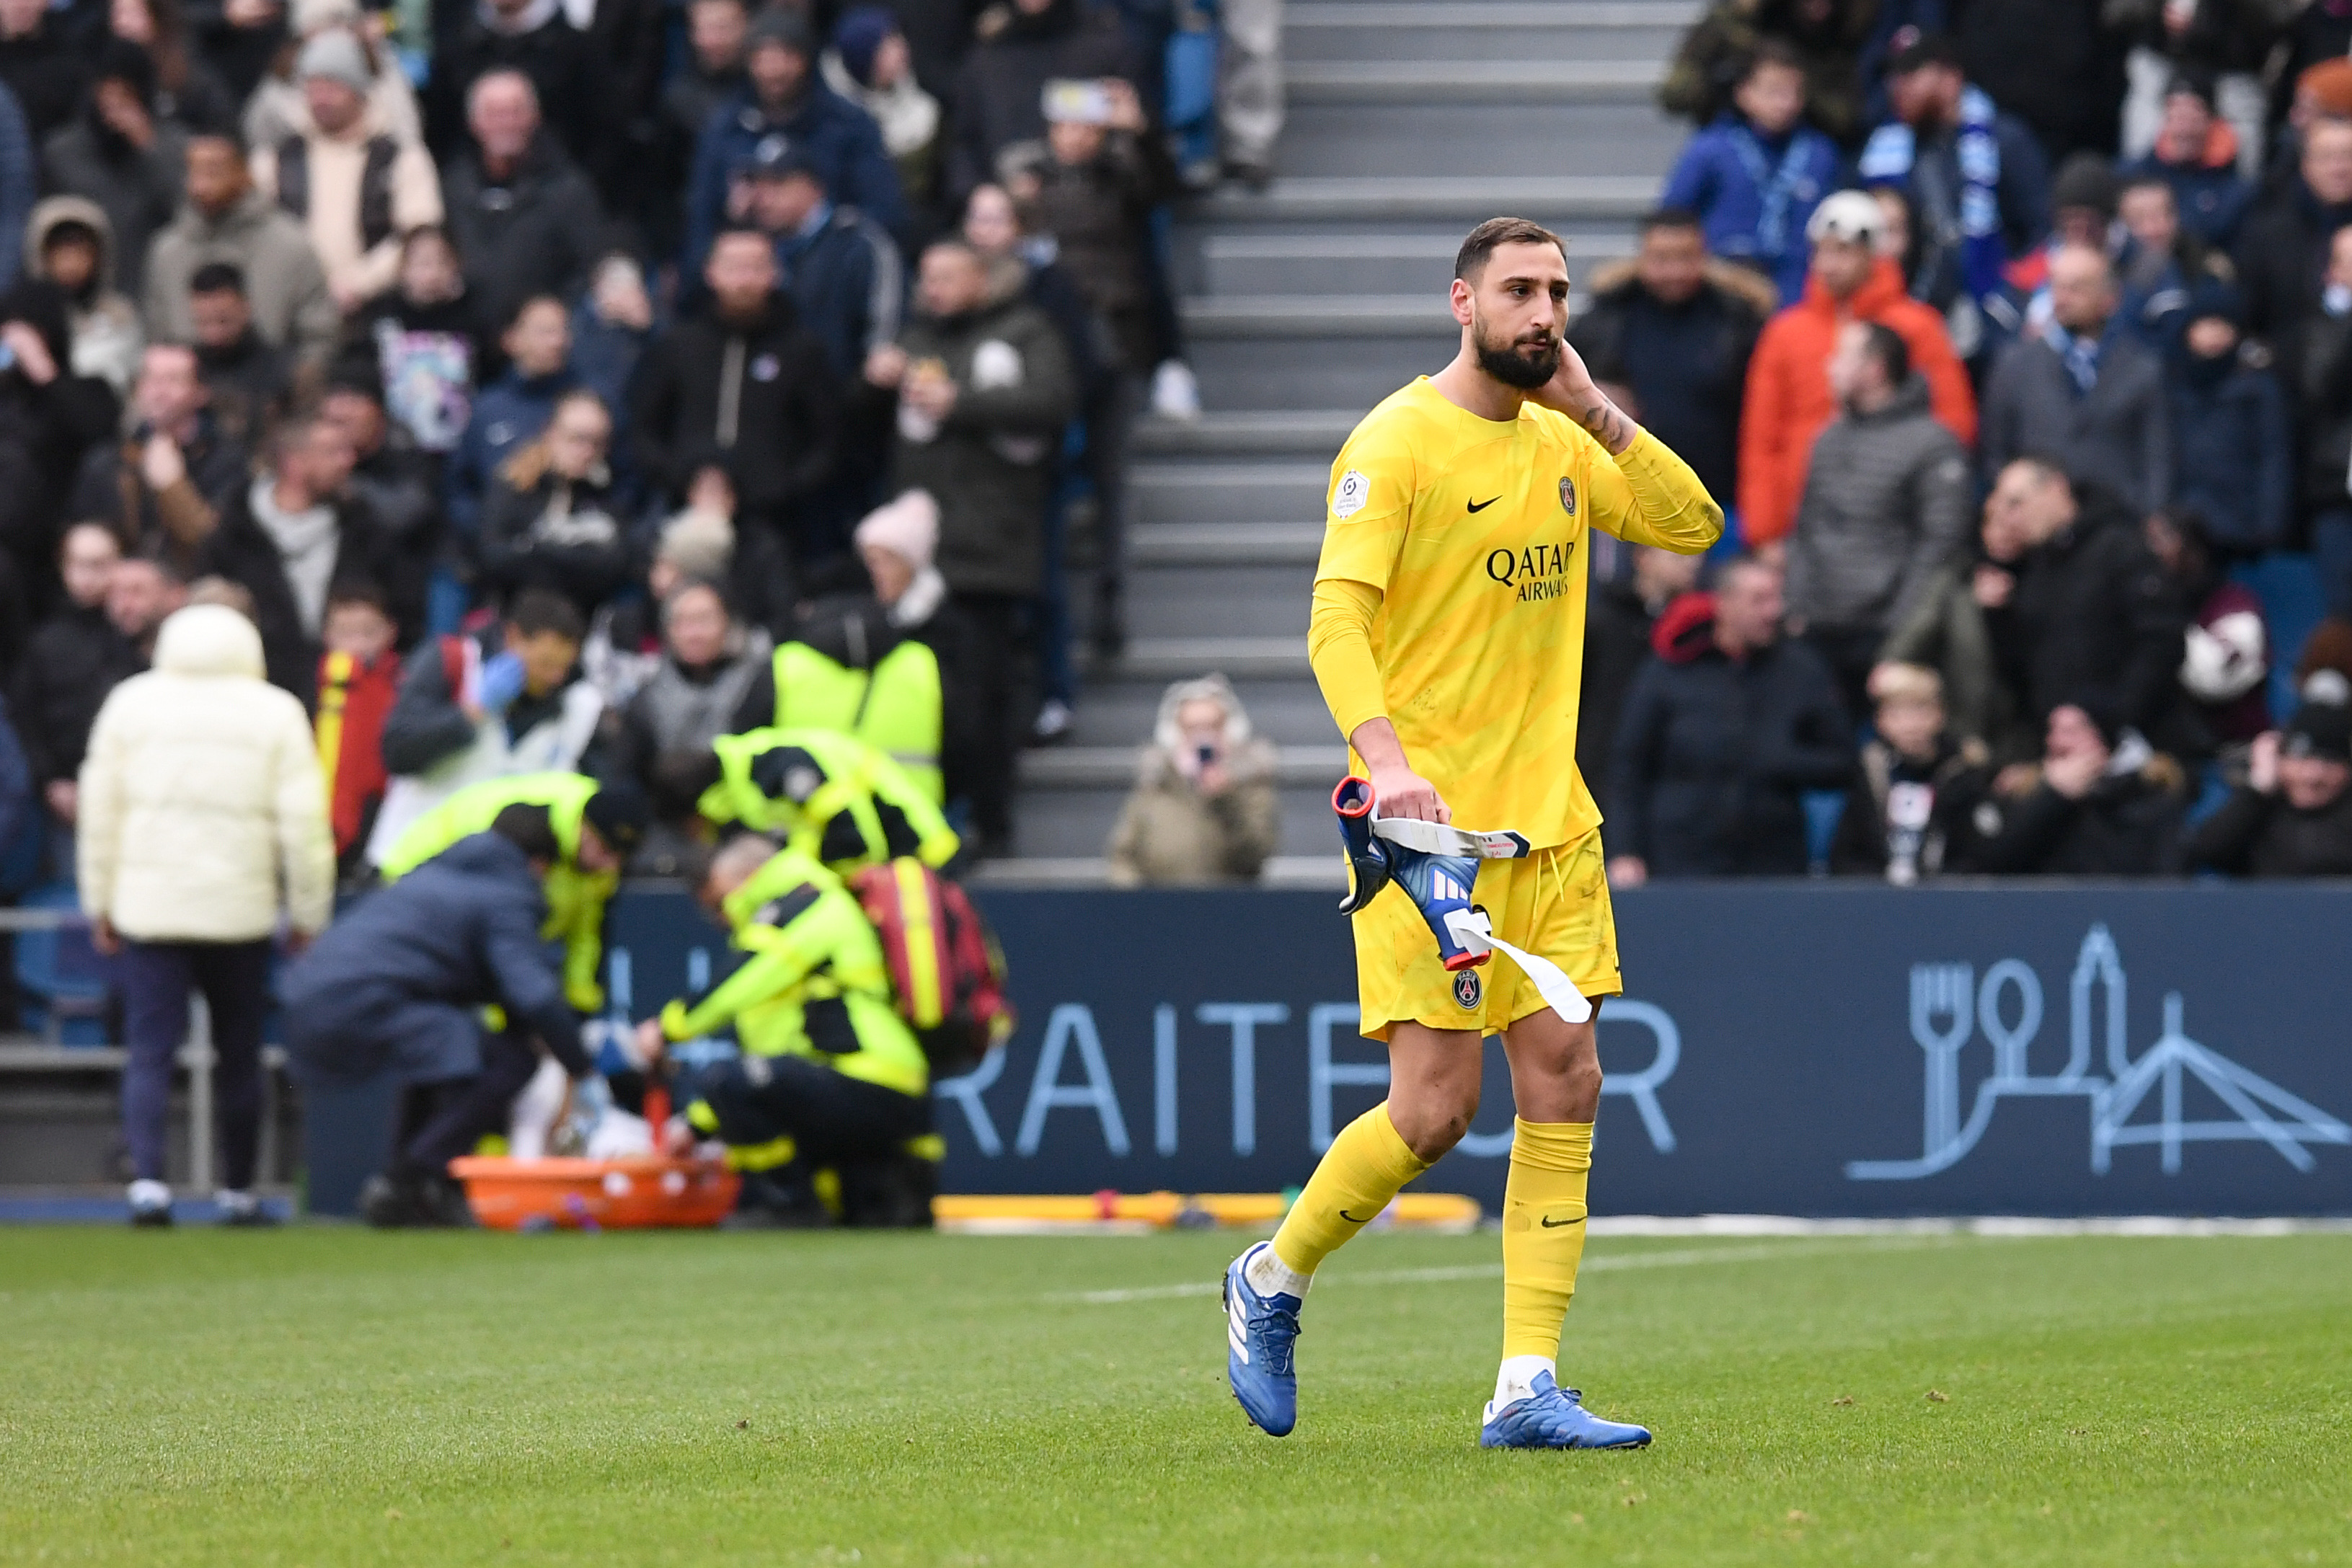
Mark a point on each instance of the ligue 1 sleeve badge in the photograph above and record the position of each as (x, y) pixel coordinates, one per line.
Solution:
(1568, 494)
(1349, 499)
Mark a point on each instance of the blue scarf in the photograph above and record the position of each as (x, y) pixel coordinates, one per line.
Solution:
(1887, 159)
(2079, 355)
(1776, 188)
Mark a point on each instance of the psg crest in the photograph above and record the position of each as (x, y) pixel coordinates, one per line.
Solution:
(1568, 494)
(1467, 989)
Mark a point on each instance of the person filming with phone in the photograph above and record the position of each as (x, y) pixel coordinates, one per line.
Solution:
(1204, 809)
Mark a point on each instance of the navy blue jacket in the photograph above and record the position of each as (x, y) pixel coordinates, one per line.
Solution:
(508, 412)
(2232, 458)
(1715, 178)
(461, 931)
(848, 282)
(2212, 202)
(837, 136)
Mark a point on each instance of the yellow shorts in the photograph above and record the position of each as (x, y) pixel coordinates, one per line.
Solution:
(1554, 903)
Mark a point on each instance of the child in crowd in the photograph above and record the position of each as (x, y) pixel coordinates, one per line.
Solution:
(359, 679)
(1910, 813)
(1755, 176)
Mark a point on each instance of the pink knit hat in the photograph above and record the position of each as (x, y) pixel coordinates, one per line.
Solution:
(908, 527)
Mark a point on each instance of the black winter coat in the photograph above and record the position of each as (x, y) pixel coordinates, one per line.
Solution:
(570, 537)
(1616, 643)
(2255, 835)
(1713, 759)
(787, 408)
(461, 930)
(1688, 363)
(2092, 619)
(2282, 250)
(241, 551)
(575, 90)
(538, 232)
(1880, 826)
(73, 661)
(44, 430)
(2232, 454)
(2127, 825)
(992, 461)
(999, 97)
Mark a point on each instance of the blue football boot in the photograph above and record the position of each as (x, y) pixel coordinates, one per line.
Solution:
(1259, 1333)
(1555, 1417)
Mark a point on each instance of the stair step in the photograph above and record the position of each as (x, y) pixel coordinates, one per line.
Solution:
(1212, 492)
(1225, 544)
(1122, 713)
(1434, 199)
(1113, 766)
(1507, 15)
(1316, 432)
(1320, 316)
(1237, 658)
(1253, 262)
(1458, 82)
(1492, 134)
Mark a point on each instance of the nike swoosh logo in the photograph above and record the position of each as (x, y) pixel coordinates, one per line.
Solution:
(1353, 1220)
(1482, 505)
(1551, 1224)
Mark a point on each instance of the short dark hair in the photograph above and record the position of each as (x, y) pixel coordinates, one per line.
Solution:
(530, 829)
(1885, 345)
(1678, 218)
(352, 590)
(1924, 51)
(221, 131)
(68, 231)
(536, 610)
(530, 302)
(1771, 52)
(678, 778)
(742, 231)
(218, 277)
(1478, 246)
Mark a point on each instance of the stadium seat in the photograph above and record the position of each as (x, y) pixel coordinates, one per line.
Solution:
(64, 982)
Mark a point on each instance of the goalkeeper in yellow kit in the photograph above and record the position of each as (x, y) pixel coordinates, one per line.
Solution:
(1448, 638)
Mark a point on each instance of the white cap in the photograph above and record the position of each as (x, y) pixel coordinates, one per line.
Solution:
(1853, 216)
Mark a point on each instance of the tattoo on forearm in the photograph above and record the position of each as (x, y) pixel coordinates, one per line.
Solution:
(1608, 426)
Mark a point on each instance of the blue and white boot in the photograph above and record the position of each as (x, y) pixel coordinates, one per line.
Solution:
(1551, 1417)
(1259, 1333)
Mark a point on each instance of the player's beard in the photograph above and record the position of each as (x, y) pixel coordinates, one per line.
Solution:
(1524, 362)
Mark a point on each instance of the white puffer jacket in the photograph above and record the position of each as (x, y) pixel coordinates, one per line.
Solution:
(202, 802)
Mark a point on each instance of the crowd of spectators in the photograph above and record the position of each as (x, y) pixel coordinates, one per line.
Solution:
(2015, 334)
(528, 373)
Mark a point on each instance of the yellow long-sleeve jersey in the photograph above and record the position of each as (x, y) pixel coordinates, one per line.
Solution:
(1450, 593)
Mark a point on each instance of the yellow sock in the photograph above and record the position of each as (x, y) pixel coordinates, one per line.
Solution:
(1361, 1170)
(1543, 1232)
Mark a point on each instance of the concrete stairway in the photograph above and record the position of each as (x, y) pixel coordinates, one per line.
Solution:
(1309, 303)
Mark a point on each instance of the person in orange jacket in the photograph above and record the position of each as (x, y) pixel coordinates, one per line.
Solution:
(359, 679)
(1788, 399)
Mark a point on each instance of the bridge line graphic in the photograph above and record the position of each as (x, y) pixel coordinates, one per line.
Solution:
(1950, 1005)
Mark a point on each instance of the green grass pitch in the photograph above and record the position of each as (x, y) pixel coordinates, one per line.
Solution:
(327, 1397)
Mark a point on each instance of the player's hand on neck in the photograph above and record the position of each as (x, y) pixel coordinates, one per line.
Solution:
(1572, 391)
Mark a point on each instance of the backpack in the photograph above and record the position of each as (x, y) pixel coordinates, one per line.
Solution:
(947, 973)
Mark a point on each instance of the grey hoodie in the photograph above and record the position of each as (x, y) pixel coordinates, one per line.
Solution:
(1886, 503)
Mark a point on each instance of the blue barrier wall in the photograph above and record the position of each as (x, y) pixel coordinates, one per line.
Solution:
(1783, 1048)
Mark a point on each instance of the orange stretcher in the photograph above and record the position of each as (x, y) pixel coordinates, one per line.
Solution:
(641, 1192)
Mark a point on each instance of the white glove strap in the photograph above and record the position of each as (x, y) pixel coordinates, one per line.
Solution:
(1439, 839)
(1471, 929)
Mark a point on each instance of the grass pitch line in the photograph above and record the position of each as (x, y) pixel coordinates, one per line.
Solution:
(1685, 1258)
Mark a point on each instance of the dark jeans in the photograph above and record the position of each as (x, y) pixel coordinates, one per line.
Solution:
(1850, 654)
(829, 1118)
(1110, 429)
(996, 620)
(445, 1119)
(2331, 549)
(157, 979)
